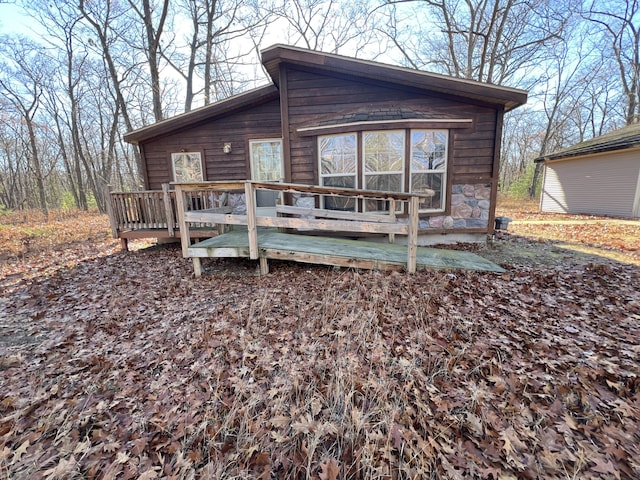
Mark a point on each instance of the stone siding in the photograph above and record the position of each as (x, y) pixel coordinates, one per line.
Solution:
(469, 209)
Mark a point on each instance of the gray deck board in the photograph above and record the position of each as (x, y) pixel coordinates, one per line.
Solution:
(273, 244)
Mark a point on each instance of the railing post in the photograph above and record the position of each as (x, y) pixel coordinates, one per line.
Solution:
(414, 205)
(182, 224)
(252, 231)
(168, 210)
(113, 221)
(392, 215)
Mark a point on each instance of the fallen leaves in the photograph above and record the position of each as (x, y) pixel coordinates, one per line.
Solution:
(121, 365)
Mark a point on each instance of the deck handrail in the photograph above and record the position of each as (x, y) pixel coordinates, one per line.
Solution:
(149, 209)
(252, 221)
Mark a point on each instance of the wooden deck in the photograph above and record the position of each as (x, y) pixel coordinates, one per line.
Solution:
(152, 213)
(336, 251)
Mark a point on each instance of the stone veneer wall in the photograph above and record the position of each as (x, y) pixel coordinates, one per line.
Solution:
(470, 205)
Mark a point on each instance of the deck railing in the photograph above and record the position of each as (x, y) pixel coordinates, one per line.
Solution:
(154, 212)
(308, 219)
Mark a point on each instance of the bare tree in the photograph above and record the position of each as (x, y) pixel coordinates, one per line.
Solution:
(100, 16)
(619, 20)
(492, 41)
(153, 18)
(205, 57)
(22, 83)
(333, 26)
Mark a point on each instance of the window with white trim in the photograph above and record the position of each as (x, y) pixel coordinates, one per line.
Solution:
(380, 156)
(428, 168)
(187, 167)
(266, 160)
(338, 158)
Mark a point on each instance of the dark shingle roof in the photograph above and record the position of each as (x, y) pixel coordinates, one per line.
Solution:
(621, 139)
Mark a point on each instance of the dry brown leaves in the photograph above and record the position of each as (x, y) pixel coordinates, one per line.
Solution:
(121, 365)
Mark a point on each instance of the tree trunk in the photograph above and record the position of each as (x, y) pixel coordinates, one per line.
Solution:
(37, 168)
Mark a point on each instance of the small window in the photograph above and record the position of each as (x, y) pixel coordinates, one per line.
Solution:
(429, 166)
(187, 167)
(383, 165)
(338, 168)
(266, 160)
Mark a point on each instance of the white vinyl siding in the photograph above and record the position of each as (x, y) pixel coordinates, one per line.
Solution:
(603, 184)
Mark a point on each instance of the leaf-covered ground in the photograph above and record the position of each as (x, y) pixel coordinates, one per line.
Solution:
(121, 365)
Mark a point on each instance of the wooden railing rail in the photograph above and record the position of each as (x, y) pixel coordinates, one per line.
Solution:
(154, 209)
(141, 209)
(359, 223)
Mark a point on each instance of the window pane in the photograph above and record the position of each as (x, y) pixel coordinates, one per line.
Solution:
(389, 183)
(423, 182)
(428, 150)
(337, 154)
(187, 167)
(339, 203)
(383, 151)
(266, 160)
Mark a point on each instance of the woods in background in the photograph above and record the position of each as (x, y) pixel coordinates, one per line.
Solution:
(90, 71)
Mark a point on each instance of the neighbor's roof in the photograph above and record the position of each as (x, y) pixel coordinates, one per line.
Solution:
(273, 56)
(208, 112)
(621, 139)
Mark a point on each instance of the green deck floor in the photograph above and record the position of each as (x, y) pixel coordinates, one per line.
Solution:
(273, 244)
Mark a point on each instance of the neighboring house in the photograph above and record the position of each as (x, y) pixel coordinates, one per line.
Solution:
(331, 120)
(600, 176)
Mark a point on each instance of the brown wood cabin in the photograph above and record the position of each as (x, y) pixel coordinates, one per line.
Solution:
(330, 120)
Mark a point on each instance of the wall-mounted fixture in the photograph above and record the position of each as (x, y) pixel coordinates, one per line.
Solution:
(227, 148)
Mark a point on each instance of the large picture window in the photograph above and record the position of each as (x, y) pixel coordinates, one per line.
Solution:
(429, 166)
(187, 167)
(380, 157)
(338, 155)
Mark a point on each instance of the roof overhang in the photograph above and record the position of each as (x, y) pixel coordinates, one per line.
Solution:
(622, 139)
(274, 56)
(208, 112)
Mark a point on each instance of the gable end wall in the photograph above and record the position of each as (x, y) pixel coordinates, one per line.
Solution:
(261, 121)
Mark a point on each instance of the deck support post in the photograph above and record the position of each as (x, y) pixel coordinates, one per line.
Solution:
(184, 227)
(252, 231)
(197, 267)
(414, 205)
(112, 217)
(168, 210)
(264, 265)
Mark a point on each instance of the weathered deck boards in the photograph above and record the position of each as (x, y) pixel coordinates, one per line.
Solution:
(337, 251)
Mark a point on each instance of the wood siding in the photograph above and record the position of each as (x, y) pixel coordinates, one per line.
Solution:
(604, 184)
(313, 97)
(260, 121)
